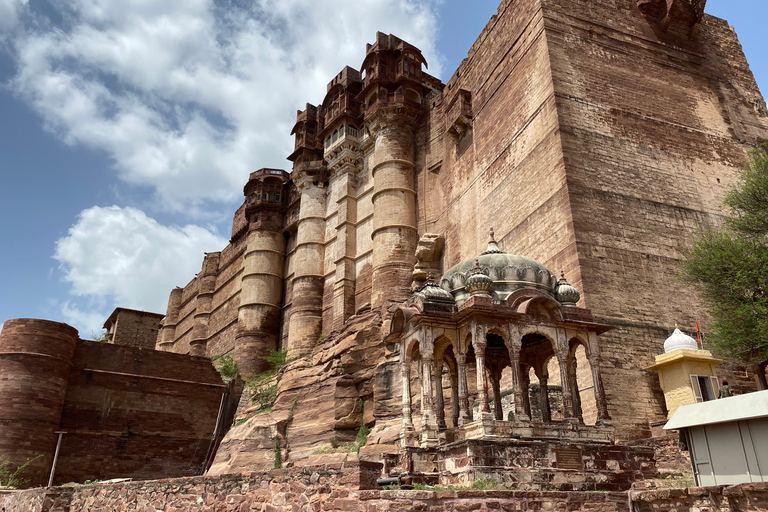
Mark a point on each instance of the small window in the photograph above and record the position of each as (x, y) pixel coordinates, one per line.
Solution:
(277, 197)
(704, 387)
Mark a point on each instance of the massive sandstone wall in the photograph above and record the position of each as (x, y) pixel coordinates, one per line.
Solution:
(652, 126)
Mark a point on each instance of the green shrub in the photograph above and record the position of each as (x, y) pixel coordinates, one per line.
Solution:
(483, 484)
(226, 366)
(12, 479)
(277, 359)
(263, 393)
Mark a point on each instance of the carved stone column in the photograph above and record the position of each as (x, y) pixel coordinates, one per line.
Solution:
(455, 411)
(498, 413)
(525, 383)
(561, 347)
(567, 389)
(482, 386)
(463, 392)
(428, 420)
(572, 372)
(546, 411)
(514, 344)
(405, 372)
(439, 400)
(603, 418)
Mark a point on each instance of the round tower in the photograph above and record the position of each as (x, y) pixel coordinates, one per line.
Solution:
(36, 357)
(261, 285)
(206, 287)
(392, 92)
(168, 329)
(306, 322)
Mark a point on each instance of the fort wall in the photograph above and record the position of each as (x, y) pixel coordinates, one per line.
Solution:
(652, 125)
(118, 411)
(591, 137)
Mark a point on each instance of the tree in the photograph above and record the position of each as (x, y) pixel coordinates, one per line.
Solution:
(729, 266)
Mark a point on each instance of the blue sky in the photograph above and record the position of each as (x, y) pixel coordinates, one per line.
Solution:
(128, 127)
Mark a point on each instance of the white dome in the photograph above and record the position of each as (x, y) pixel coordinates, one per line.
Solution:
(680, 340)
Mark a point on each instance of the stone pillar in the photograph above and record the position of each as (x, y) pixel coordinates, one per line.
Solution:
(546, 410)
(394, 207)
(561, 347)
(572, 372)
(343, 183)
(455, 410)
(36, 357)
(405, 372)
(520, 395)
(261, 290)
(198, 344)
(463, 392)
(482, 389)
(525, 383)
(567, 389)
(495, 378)
(428, 419)
(603, 418)
(167, 336)
(439, 400)
(306, 321)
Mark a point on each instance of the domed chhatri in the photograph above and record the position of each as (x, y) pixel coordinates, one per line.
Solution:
(680, 340)
(566, 294)
(478, 282)
(432, 292)
(506, 273)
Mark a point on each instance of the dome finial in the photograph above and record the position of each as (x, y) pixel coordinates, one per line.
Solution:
(493, 247)
(566, 294)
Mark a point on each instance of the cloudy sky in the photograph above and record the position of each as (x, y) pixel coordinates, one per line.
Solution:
(128, 127)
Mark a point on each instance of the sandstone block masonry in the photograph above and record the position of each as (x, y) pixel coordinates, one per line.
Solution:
(108, 410)
(595, 137)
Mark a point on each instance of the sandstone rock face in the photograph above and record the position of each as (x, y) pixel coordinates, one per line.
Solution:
(322, 401)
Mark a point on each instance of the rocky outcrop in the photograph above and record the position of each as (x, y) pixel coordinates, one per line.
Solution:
(350, 379)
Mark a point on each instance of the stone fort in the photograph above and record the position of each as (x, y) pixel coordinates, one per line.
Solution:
(477, 271)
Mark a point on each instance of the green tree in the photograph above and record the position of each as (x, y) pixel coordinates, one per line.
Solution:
(729, 266)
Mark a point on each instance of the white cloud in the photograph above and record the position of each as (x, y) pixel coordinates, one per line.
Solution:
(119, 256)
(188, 97)
(9, 13)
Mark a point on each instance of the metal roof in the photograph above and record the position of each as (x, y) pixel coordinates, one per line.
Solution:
(734, 408)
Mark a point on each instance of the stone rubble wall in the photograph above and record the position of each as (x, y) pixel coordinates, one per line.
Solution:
(346, 487)
(751, 497)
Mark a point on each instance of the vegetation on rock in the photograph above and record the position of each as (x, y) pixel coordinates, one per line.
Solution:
(226, 366)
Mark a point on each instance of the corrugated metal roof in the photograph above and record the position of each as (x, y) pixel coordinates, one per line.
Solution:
(734, 408)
